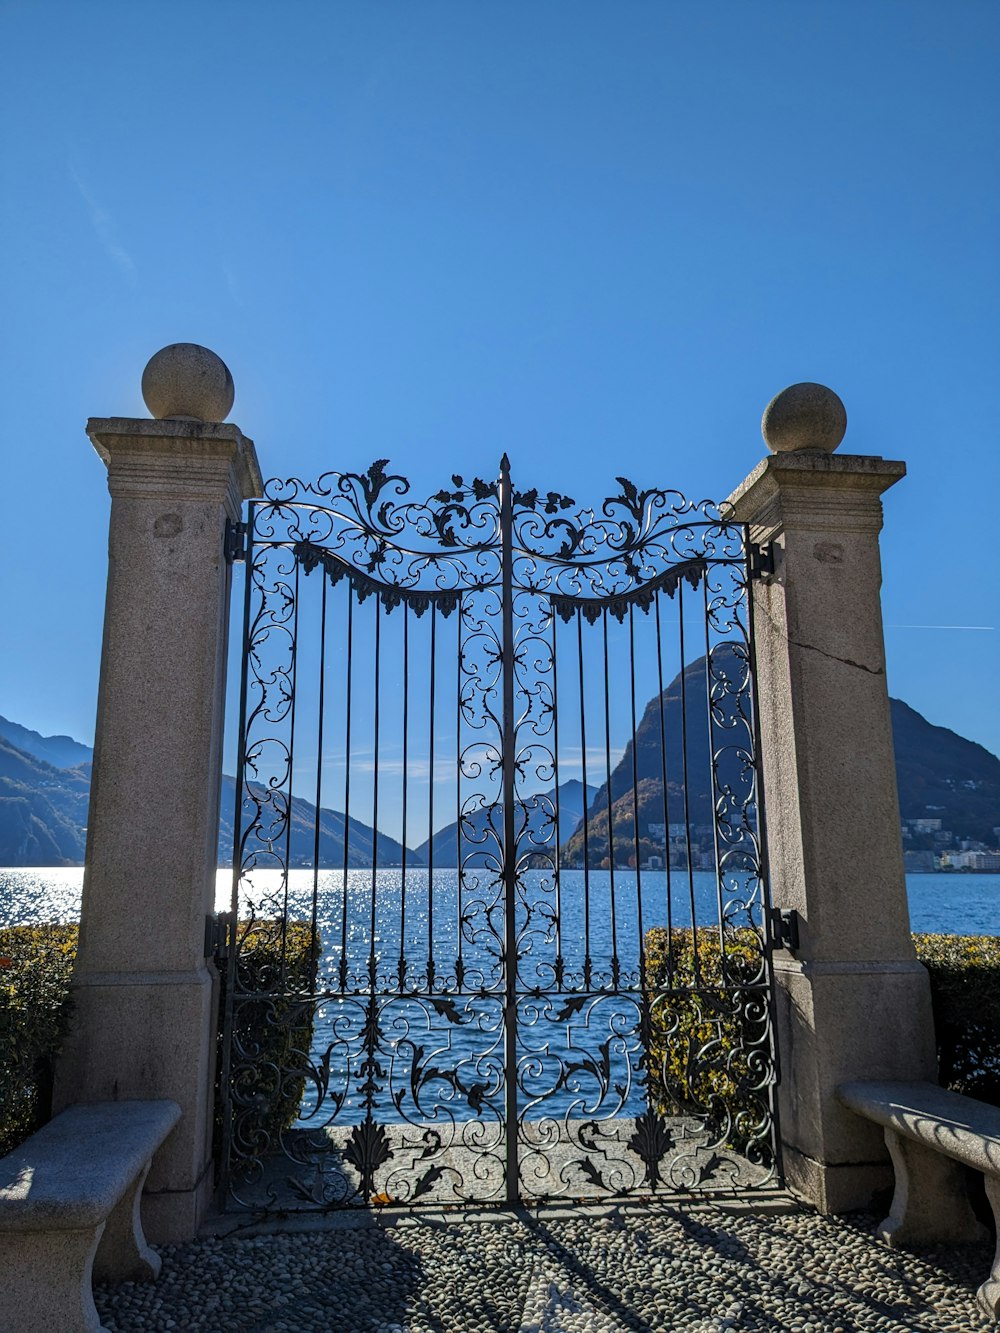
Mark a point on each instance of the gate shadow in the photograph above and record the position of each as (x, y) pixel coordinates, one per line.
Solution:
(596, 1291)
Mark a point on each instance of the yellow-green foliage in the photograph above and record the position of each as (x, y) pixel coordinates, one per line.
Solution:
(707, 1047)
(35, 1012)
(35, 967)
(965, 990)
(272, 1034)
(698, 1042)
(706, 1043)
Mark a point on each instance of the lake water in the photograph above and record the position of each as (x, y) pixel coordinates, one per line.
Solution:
(955, 904)
(951, 904)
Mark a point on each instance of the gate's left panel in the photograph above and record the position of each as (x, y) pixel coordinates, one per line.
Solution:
(363, 993)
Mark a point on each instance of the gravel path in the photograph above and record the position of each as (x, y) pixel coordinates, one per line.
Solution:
(650, 1271)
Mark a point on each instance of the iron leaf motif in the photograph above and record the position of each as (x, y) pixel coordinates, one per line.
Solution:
(650, 1140)
(572, 1006)
(432, 1143)
(427, 1181)
(709, 1167)
(367, 1149)
(308, 1193)
(446, 1007)
(375, 480)
(591, 1172)
(391, 595)
(509, 564)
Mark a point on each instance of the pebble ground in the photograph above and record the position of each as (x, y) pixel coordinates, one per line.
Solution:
(653, 1271)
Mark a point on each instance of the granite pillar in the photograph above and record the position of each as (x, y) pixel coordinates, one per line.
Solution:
(145, 996)
(852, 1002)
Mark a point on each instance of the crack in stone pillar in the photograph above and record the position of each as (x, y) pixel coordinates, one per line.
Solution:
(853, 1002)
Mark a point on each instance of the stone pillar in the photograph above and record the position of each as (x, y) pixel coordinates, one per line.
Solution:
(852, 1002)
(146, 999)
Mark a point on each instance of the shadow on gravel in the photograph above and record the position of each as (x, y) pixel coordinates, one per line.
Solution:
(476, 1277)
(359, 1279)
(587, 1283)
(852, 1283)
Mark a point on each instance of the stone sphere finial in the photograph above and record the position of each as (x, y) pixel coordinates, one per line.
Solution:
(189, 382)
(804, 416)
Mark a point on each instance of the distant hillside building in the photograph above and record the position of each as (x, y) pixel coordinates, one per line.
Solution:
(980, 861)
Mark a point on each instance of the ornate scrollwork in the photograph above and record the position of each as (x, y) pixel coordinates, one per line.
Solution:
(621, 1081)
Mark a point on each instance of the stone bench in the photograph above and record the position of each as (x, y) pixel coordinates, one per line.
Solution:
(69, 1211)
(928, 1132)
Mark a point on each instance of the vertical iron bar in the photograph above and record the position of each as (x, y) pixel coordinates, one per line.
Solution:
(459, 965)
(508, 756)
(372, 1026)
(611, 825)
(635, 799)
(291, 783)
(556, 830)
(319, 761)
(586, 808)
(378, 677)
(645, 1027)
(347, 781)
(406, 753)
(713, 781)
(666, 799)
(763, 864)
(234, 920)
(430, 807)
(684, 774)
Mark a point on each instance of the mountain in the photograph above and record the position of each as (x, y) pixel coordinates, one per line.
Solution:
(942, 775)
(539, 810)
(43, 810)
(302, 838)
(939, 774)
(685, 759)
(59, 751)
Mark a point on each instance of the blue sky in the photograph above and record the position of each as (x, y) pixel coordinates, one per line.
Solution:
(597, 235)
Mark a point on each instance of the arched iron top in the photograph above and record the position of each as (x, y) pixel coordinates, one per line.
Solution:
(366, 526)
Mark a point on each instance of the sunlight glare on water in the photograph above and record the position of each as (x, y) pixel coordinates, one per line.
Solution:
(957, 904)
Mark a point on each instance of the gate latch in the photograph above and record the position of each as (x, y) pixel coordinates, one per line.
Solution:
(236, 541)
(785, 928)
(217, 937)
(762, 561)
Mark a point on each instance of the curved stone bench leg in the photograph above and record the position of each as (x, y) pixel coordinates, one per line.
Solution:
(931, 1202)
(123, 1255)
(45, 1281)
(988, 1294)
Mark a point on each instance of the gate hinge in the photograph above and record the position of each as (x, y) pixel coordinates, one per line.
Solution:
(236, 541)
(785, 928)
(762, 560)
(217, 937)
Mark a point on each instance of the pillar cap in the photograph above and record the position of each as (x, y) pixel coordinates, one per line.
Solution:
(836, 482)
(804, 416)
(189, 382)
(179, 449)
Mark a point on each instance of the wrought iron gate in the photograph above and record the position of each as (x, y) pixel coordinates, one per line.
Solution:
(499, 925)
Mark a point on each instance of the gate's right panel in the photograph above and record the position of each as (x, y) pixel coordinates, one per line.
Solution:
(644, 1010)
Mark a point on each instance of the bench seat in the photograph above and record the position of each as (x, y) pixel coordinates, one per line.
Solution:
(929, 1131)
(69, 1211)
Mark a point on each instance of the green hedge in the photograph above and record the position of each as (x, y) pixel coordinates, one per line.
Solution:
(36, 1010)
(965, 991)
(708, 1051)
(272, 1035)
(697, 1040)
(699, 1044)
